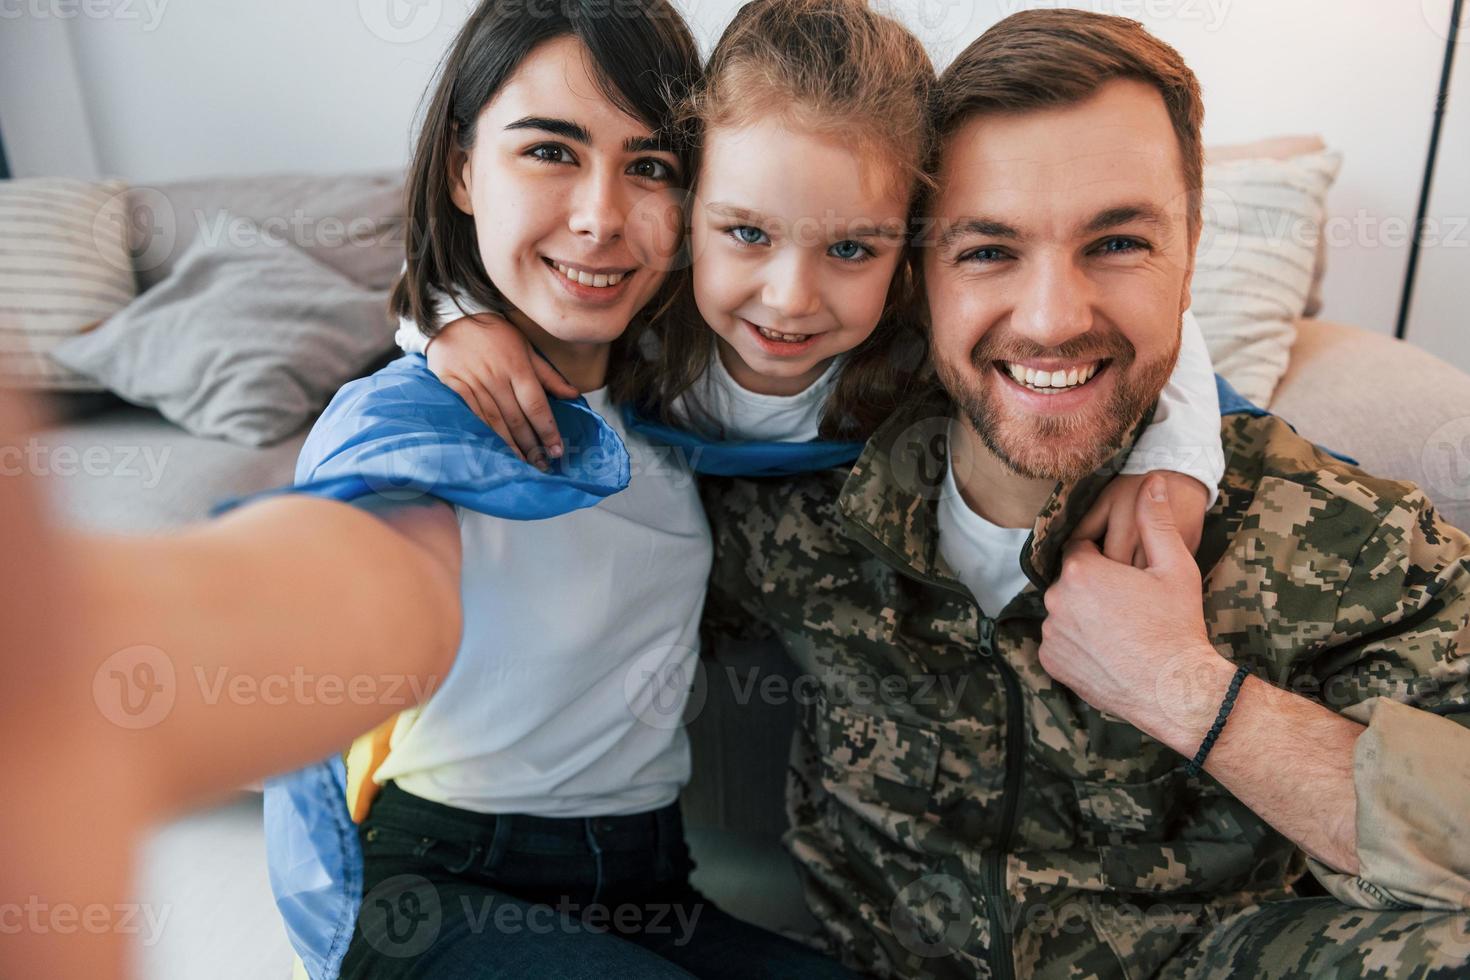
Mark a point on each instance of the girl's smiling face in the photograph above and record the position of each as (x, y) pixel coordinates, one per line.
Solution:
(575, 203)
(796, 239)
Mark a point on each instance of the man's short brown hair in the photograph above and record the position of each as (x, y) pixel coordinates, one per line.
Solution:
(1040, 59)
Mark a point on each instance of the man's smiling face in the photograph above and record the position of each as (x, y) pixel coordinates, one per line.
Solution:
(1057, 274)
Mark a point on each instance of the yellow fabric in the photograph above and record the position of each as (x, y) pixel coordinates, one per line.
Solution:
(363, 759)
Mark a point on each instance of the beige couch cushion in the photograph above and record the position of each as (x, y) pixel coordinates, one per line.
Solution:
(349, 222)
(64, 268)
(1400, 411)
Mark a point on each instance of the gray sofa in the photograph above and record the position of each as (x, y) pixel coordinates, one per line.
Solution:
(1398, 410)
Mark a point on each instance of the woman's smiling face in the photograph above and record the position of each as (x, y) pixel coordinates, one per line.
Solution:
(576, 206)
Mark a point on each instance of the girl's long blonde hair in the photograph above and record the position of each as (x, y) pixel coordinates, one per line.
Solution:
(838, 68)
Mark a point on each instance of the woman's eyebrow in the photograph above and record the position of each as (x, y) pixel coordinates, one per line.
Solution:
(578, 133)
(558, 127)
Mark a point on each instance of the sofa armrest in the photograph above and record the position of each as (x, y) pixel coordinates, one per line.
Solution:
(1400, 411)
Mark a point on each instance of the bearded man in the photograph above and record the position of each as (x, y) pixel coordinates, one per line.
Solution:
(1027, 758)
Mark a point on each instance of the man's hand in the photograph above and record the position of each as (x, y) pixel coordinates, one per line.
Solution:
(1132, 642)
(1126, 640)
(1113, 520)
(490, 364)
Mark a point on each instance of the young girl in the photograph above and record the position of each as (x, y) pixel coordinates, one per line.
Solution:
(815, 138)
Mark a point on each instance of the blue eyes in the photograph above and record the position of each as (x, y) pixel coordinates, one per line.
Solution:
(748, 235)
(985, 254)
(847, 250)
(1120, 245)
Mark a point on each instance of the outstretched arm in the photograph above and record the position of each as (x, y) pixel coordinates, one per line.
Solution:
(138, 676)
(268, 638)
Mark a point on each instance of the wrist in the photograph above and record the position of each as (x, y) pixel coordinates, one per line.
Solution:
(1189, 699)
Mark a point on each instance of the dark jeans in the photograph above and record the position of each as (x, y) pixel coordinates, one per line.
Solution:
(451, 894)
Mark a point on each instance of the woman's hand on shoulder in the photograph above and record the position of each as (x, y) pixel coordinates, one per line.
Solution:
(492, 366)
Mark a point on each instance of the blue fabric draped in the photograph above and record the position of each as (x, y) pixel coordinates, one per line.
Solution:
(401, 433)
(744, 457)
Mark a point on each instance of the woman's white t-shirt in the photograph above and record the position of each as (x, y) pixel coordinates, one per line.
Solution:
(580, 645)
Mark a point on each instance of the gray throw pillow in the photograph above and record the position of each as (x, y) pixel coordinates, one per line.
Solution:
(246, 340)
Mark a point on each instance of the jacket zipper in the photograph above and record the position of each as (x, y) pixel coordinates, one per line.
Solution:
(993, 871)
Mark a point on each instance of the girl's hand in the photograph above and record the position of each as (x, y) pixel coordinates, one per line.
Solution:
(490, 364)
(1113, 520)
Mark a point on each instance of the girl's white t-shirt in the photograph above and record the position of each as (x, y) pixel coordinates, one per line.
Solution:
(580, 646)
(745, 415)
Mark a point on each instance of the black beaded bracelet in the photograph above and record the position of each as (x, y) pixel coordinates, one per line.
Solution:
(1198, 762)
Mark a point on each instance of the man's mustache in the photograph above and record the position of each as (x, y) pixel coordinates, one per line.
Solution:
(1087, 347)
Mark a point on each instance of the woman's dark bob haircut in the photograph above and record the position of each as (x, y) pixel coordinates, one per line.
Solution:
(646, 62)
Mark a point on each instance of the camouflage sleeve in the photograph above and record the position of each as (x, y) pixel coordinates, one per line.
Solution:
(1399, 657)
(732, 605)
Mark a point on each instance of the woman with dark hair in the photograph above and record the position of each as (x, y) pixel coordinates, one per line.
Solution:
(528, 821)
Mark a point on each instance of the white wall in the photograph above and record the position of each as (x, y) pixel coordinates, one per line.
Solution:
(187, 88)
(46, 124)
(1438, 320)
(254, 87)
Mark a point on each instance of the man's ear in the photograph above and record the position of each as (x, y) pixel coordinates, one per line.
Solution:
(460, 178)
(1186, 293)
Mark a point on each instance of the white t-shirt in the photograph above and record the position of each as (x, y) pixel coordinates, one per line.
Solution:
(581, 637)
(746, 415)
(984, 556)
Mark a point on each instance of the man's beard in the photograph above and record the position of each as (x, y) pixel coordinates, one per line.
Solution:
(1063, 448)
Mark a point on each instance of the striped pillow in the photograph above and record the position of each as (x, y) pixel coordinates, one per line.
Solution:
(1254, 271)
(64, 268)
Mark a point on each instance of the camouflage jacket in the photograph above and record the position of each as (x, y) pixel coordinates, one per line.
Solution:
(956, 812)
